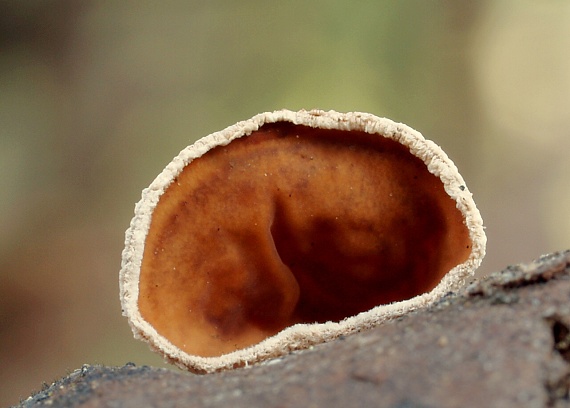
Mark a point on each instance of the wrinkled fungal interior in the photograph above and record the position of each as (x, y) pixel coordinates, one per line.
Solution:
(293, 224)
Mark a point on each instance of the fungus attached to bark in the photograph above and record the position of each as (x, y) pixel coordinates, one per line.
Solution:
(290, 229)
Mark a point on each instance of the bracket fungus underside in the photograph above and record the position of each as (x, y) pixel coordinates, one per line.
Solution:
(291, 229)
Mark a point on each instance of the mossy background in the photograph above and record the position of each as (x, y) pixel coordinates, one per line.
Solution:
(96, 97)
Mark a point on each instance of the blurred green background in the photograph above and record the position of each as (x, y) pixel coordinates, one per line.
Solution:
(96, 97)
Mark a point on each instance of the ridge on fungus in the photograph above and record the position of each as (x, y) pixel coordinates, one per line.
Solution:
(291, 229)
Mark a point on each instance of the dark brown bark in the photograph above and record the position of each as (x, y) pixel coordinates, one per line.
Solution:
(503, 341)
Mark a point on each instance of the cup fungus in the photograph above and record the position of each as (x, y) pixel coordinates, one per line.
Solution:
(291, 229)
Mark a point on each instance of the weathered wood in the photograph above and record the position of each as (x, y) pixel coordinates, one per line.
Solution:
(503, 341)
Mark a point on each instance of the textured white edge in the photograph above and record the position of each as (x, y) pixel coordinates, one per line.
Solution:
(299, 336)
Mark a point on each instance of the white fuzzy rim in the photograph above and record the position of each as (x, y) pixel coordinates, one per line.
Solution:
(299, 336)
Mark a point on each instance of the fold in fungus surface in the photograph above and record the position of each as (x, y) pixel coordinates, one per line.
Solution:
(293, 225)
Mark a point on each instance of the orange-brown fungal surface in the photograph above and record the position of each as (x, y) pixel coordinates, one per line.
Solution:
(291, 229)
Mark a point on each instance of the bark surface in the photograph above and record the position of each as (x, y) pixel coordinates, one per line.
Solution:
(502, 341)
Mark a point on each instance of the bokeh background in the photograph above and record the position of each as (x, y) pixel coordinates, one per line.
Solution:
(96, 97)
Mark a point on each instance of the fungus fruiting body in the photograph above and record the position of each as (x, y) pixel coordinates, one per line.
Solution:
(290, 229)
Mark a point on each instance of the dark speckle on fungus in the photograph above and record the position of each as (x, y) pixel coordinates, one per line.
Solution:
(291, 229)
